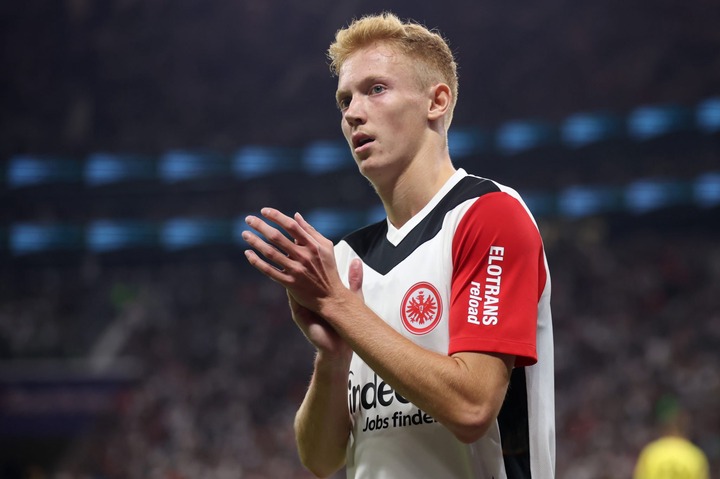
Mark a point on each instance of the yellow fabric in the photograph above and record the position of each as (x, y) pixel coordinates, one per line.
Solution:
(672, 458)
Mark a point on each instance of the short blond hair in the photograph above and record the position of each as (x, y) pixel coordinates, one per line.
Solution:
(434, 59)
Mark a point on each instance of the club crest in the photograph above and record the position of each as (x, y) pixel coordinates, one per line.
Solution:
(421, 308)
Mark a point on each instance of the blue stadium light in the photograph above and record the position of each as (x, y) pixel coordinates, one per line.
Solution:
(586, 128)
(103, 236)
(334, 223)
(324, 156)
(580, 201)
(540, 204)
(30, 171)
(107, 168)
(238, 227)
(517, 136)
(464, 142)
(255, 161)
(180, 233)
(706, 190)
(29, 238)
(652, 121)
(181, 165)
(708, 115)
(646, 195)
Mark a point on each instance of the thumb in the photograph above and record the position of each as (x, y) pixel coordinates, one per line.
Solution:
(355, 276)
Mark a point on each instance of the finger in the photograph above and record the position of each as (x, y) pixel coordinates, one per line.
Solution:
(267, 269)
(355, 276)
(273, 235)
(307, 227)
(268, 251)
(290, 225)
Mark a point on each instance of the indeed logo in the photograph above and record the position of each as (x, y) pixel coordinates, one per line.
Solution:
(371, 394)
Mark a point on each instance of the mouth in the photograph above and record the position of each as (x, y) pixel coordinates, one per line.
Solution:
(360, 140)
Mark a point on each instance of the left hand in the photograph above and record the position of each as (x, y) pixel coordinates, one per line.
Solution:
(305, 265)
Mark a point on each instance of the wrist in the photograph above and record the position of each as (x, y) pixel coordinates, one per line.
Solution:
(331, 364)
(337, 307)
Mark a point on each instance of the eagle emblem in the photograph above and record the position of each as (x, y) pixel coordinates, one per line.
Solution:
(421, 308)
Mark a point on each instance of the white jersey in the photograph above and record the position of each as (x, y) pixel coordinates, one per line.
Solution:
(467, 273)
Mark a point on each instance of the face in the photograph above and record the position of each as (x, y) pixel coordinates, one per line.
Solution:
(384, 111)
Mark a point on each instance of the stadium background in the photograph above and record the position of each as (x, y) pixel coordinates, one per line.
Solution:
(136, 135)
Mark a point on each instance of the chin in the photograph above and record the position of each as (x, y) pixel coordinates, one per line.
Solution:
(377, 174)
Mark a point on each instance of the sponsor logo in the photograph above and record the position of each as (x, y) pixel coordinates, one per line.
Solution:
(483, 303)
(398, 419)
(371, 394)
(376, 398)
(421, 308)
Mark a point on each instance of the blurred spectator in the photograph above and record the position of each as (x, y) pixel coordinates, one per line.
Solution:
(672, 455)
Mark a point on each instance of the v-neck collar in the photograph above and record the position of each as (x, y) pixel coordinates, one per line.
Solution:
(396, 235)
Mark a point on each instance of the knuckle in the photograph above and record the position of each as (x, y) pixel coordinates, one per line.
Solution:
(275, 236)
(303, 259)
(295, 269)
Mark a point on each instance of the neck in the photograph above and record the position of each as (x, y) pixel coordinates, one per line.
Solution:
(414, 188)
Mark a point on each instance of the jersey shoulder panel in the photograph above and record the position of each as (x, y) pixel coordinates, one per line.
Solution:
(371, 244)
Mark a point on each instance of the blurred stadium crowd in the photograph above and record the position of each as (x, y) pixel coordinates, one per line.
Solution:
(637, 317)
(215, 368)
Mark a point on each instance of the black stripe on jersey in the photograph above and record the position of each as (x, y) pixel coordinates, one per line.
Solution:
(514, 430)
(371, 244)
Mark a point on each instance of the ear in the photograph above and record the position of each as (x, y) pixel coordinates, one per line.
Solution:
(440, 100)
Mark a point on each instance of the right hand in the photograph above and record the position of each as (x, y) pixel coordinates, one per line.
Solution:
(316, 329)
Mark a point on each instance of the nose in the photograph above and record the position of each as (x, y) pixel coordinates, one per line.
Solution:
(355, 113)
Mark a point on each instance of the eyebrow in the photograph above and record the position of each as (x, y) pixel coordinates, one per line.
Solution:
(363, 83)
(340, 94)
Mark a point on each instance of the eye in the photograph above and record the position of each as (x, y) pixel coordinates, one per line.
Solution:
(343, 103)
(377, 89)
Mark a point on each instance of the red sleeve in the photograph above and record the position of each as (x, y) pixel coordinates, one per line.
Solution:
(498, 277)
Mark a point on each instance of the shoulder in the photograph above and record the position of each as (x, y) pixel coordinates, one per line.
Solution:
(487, 198)
(498, 213)
(662, 447)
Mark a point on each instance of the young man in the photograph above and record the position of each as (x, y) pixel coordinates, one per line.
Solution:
(432, 328)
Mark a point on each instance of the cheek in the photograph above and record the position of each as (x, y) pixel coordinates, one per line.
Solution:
(408, 115)
(345, 130)
(406, 123)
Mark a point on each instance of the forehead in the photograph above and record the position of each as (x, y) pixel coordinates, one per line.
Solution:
(373, 61)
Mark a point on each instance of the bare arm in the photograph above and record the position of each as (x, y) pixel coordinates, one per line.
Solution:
(464, 392)
(322, 423)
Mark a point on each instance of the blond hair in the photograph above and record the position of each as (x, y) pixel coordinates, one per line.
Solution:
(433, 58)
